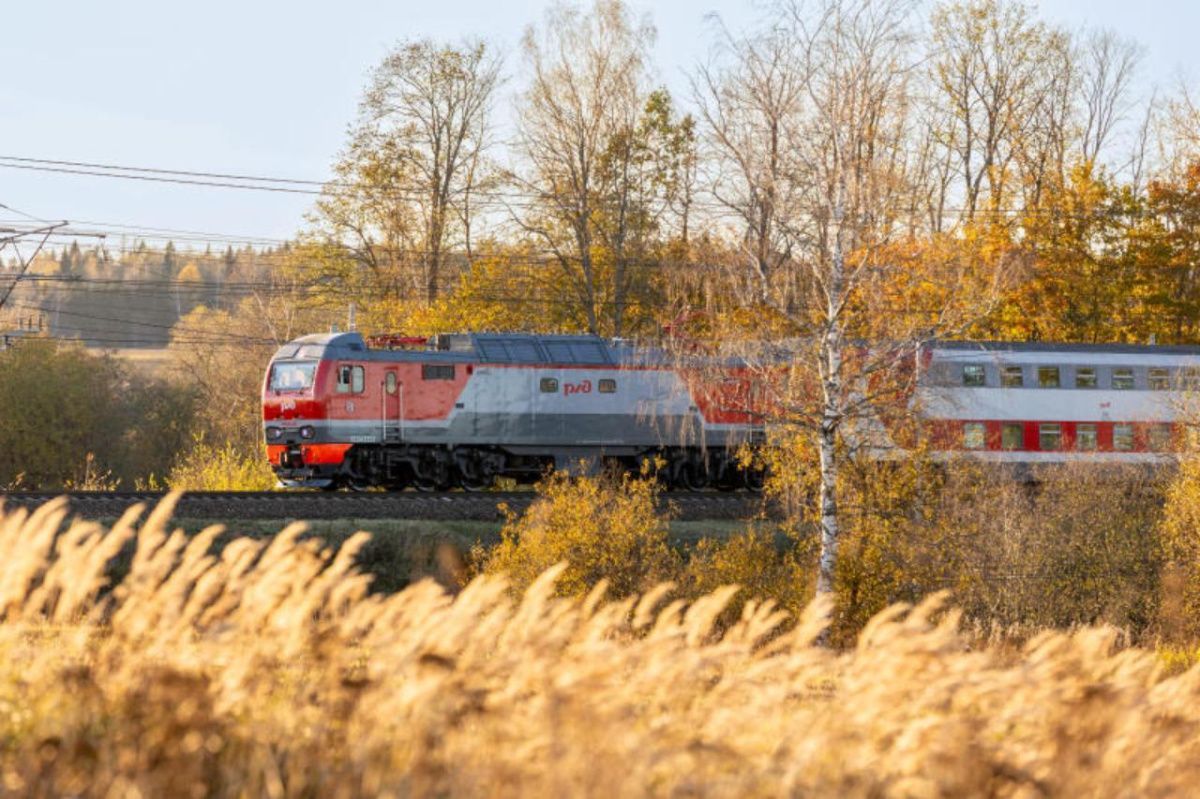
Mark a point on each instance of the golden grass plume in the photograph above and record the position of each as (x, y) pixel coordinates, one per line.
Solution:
(268, 668)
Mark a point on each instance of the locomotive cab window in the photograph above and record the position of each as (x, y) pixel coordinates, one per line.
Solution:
(608, 386)
(1085, 377)
(1047, 376)
(1011, 377)
(1122, 379)
(437, 371)
(974, 435)
(350, 380)
(1158, 378)
(1012, 436)
(974, 375)
(549, 385)
(292, 375)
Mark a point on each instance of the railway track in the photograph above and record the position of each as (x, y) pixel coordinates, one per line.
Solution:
(446, 505)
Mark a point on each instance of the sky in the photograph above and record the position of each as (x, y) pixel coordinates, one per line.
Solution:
(267, 87)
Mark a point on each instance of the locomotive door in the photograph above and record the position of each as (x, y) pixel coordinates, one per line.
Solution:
(391, 407)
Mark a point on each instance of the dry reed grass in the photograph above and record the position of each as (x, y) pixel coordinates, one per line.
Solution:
(270, 670)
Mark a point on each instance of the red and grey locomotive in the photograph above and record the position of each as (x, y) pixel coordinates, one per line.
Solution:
(461, 410)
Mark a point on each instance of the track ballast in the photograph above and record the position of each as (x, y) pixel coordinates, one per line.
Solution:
(440, 506)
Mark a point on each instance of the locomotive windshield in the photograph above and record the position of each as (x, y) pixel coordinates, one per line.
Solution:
(292, 375)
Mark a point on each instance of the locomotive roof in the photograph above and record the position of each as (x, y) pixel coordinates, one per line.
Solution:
(476, 347)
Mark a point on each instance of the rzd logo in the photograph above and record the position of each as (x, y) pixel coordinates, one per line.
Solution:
(582, 387)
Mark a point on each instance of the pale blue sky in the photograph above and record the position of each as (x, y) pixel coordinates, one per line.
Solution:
(268, 86)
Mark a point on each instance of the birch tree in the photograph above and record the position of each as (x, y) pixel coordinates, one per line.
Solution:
(812, 116)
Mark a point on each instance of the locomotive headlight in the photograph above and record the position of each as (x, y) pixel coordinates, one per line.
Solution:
(307, 431)
(274, 433)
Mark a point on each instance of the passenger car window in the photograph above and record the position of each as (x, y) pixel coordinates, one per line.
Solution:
(974, 435)
(1158, 378)
(1123, 437)
(608, 386)
(1049, 437)
(1160, 437)
(1047, 376)
(1085, 437)
(1011, 377)
(1085, 377)
(1122, 379)
(549, 385)
(1012, 436)
(974, 374)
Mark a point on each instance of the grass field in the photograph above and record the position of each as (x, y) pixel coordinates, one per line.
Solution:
(149, 361)
(269, 669)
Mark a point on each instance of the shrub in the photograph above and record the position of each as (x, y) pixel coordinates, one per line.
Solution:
(762, 563)
(221, 467)
(603, 528)
(68, 415)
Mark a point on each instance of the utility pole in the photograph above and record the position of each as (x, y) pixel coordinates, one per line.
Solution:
(15, 235)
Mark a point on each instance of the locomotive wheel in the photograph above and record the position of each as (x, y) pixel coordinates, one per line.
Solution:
(693, 476)
(475, 484)
(755, 479)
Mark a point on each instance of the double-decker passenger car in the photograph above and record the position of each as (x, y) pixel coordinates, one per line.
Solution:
(460, 410)
(1046, 403)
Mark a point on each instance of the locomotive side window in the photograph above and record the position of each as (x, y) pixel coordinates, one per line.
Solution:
(390, 383)
(1085, 437)
(1123, 380)
(973, 374)
(549, 385)
(974, 435)
(1158, 378)
(1085, 377)
(350, 380)
(608, 386)
(1123, 437)
(1049, 437)
(1010, 377)
(1012, 436)
(1189, 378)
(437, 371)
(1047, 376)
